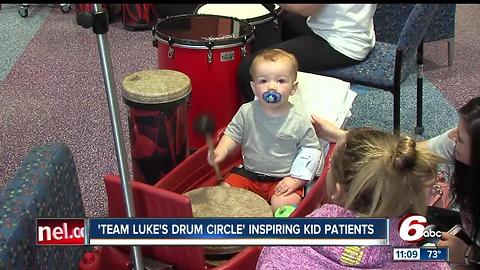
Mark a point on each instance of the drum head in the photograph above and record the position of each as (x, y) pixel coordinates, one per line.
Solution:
(252, 13)
(203, 30)
(227, 201)
(156, 86)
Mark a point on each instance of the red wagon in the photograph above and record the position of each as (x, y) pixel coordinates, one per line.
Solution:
(166, 199)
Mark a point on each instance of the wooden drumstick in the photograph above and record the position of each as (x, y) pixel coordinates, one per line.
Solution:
(206, 126)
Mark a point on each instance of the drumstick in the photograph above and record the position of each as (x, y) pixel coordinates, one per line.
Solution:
(205, 125)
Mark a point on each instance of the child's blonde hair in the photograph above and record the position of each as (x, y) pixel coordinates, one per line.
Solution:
(274, 55)
(383, 175)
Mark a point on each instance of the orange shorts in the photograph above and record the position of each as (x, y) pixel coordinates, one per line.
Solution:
(264, 189)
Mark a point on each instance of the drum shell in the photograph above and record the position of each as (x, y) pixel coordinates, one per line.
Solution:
(158, 138)
(214, 85)
(139, 17)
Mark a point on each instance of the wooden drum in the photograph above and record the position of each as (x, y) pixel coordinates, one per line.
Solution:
(157, 121)
(226, 201)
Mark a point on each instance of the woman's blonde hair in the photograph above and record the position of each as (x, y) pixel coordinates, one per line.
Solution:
(383, 175)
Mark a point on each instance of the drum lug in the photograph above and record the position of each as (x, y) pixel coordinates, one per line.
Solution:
(155, 41)
(209, 54)
(244, 50)
(171, 50)
(276, 24)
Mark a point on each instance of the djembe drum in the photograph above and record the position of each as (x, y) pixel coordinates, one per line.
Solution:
(226, 201)
(157, 121)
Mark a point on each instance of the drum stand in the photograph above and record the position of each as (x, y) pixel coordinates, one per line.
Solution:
(99, 22)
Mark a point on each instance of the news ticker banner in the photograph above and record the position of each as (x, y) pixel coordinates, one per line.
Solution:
(213, 231)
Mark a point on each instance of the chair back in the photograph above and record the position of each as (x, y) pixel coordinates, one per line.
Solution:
(414, 30)
(389, 20)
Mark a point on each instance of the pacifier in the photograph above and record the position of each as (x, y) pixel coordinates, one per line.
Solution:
(272, 96)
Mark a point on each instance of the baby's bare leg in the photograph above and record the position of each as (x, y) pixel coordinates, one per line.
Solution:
(279, 201)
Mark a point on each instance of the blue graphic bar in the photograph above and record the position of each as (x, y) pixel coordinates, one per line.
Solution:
(248, 231)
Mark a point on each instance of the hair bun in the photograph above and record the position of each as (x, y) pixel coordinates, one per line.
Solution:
(405, 154)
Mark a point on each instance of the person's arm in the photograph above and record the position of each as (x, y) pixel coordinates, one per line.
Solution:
(326, 129)
(442, 145)
(304, 166)
(225, 146)
(302, 9)
(232, 138)
(452, 133)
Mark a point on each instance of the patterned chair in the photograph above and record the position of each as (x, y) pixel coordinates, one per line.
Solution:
(387, 65)
(46, 185)
(389, 20)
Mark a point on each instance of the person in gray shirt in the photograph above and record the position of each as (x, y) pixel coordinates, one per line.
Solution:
(271, 132)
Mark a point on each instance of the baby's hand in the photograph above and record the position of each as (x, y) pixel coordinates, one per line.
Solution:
(288, 185)
(215, 157)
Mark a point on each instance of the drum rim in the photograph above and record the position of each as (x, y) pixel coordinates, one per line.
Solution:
(134, 96)
(204, 47)
(189, 43)
(253, 21)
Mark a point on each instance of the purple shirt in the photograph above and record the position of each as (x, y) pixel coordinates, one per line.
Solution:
(329, 257)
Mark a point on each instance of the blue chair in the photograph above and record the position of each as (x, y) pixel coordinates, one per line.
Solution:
(389, 20)
(44, 186)
(387, 65)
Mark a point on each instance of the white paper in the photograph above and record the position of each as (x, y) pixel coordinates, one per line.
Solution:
(327, 97)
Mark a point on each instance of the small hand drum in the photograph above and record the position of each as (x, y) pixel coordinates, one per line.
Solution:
(227, 201)
(157, 121)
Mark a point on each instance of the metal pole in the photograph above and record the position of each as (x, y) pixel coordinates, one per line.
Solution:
(106, 62)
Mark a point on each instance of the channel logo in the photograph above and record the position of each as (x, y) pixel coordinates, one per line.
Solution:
(415, 229)
(60, 231)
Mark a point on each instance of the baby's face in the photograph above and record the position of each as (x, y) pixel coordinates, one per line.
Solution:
(277, 76)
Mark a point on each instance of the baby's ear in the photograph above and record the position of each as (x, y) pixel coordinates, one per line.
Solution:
(294, 88)
(252, 85)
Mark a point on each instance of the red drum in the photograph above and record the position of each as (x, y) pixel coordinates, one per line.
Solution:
(157, 121)
(208, 49)
(266, 25)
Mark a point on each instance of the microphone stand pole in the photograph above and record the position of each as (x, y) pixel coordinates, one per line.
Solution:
(99, 22)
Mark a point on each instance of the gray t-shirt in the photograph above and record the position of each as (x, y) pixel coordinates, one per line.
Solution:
(270, 144)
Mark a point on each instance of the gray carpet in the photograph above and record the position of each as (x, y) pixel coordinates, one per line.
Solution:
(51, 90)
(16, 33)
(374, 107)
